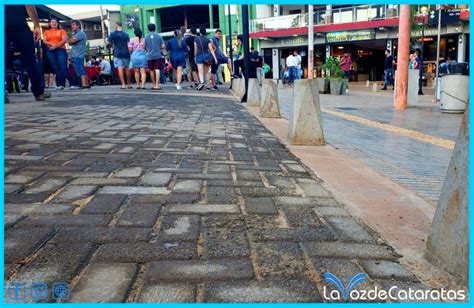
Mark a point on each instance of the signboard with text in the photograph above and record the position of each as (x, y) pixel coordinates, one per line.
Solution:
(350, 36)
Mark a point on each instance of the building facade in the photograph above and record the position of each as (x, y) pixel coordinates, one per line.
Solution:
(363, 31)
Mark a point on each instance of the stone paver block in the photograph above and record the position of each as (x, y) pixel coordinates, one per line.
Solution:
(279, 260)
(21, 242)
(11, 219)
(46, 185)
(134, 190)
(139, 215)
(145, 252)
(347, 250)
(263, 205)
(227, 242)
(333, 211)
(167, 293)
(67, 220)
(321, 234)
(380, 269)
(204, 209)
(199, 270)
(314, 190)
(350, 230)
(179, 228)
(22, 177)
(286, 291)
(104, 204)
(102, 235)
(73, 193)
(102, 181)
(156, 179)
(129, 173)
(104, 283)
(187, 186)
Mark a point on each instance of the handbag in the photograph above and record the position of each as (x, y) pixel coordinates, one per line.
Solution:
(204, 61)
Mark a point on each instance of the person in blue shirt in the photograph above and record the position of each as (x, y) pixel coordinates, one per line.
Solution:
(119, 39)
(78, 43)
(419, 65)
(177, 53)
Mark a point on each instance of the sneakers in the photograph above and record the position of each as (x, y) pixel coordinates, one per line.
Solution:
(60, 88)
(200, 86)
(74, 88)
(214, 88)
(178, 87)
(191, 87)
(43, 96)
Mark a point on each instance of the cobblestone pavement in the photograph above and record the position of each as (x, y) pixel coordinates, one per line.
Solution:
(417, 165)
(160, 197)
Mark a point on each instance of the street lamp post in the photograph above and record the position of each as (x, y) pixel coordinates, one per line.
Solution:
(230, 43)
(437, 53)
(245, 34)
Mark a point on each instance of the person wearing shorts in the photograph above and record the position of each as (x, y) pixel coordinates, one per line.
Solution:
(203, 48)
(78, 43)
(120, 39)
(221, 59)
(154, 44)
(191, 64)
(138, 59)
(177, 51)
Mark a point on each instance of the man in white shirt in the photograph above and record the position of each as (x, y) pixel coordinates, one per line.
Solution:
(291, 65)
(297, 56)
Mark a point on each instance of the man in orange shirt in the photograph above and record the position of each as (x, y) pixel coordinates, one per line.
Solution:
(55, 39)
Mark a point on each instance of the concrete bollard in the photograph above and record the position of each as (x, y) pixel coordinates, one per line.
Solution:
(241, 88)
(305, 123)
(254, 96)
(448, 243)
(412, 92)
(270, 107)
(367, 84)
(375, 87)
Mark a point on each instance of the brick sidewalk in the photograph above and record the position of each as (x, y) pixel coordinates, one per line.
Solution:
(172, 198)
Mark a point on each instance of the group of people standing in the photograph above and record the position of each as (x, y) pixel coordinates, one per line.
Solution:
(293, 64)
(193, 51)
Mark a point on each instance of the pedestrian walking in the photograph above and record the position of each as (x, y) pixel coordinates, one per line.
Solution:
(411, 62)
(78, 43)
(177, 54)
(18, 32)
(265, 69)
(291, 63)
(191, 65)
(221, 59)
(388, 66)
(346, 64)
(203, 49)
(299, 71)
(55, 40)
(138, 58)
(419, 65)
(120, 39)
(154, 44)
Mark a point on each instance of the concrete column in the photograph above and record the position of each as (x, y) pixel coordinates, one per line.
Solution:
(254, 95)
(403, 58)
(211, 17)
(390, 46)
(328, 14)
(328, 51)
(310, 41)
(462, 47)
(448, 243)
(276, 63)
(305, 123)
(270, 107)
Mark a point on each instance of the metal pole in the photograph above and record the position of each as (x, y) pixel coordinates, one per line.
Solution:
(230, 43)
(437, 52)
(310, 41)
(245, 33)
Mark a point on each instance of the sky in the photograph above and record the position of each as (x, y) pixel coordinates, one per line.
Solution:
(68, 9)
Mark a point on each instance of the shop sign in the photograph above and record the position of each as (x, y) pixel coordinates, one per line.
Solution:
(350, 36)
(300, 40)
(427, 32)
(447, 16)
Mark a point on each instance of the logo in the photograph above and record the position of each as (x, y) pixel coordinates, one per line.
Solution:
(60, 291)
(344, 291)
(16, 291)
(38, 291)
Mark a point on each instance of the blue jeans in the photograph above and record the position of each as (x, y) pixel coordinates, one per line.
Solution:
(292, 71)
(23, 39)
(58, 60)
(78, 64)
(388, 77)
